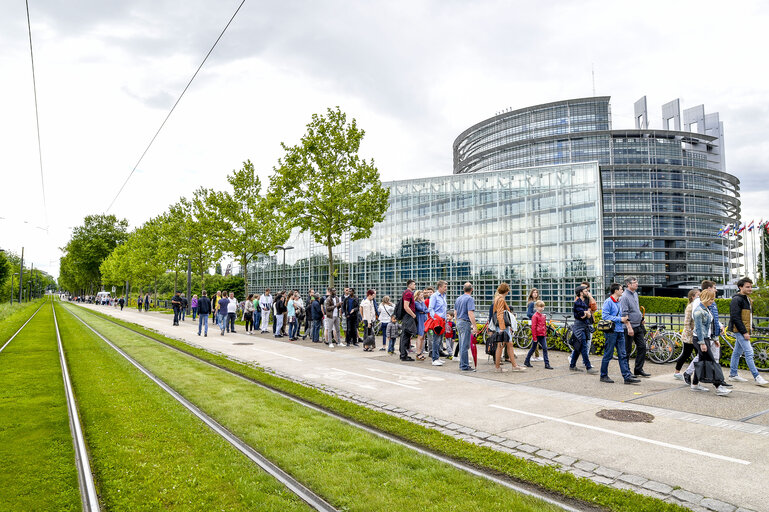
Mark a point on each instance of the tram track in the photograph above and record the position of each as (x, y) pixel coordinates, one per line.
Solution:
(571, 505)
(300, 490)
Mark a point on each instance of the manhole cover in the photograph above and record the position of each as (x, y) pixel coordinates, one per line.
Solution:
(242, 343)
(625, 415)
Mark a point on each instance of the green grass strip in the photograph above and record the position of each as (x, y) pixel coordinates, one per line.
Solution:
(13, 317)
(545, 477)
(37, 458)
(148, 452)
(351, 468)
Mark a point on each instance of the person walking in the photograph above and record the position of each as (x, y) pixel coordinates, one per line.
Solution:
(421, 310)
(615, 337)
(438, 308)
(716, 330)
(741, 324)
(351, 311)
(464, 308)
(146, 302)
(121, 302)
(635, 330)
(504, 320)
(279, 311)
(248, 314)
(705, 344)
(215, 305)
(223, 302)
(176, 304)
(583, 318)
(409, 320)
(204, 309)
(194, 306)
(531, 301)
(183, 308)
(265, 305)
(139, 302)
(232, 312)
(315, 313)
(293, 324)
(386, 310)
(687, 334)
(538, 335)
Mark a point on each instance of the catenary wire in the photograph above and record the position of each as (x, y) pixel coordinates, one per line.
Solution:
(174, 107)
(37, 116)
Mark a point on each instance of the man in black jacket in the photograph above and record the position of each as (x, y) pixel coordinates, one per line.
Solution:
(351, 307)
(204, 309)
(741, 324)
(316, 316)
(176, 303)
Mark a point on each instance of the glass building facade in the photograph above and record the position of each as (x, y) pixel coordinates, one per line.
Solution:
(529, 226)
(665, 193)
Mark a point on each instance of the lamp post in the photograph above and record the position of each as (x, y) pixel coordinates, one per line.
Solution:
(283, 276)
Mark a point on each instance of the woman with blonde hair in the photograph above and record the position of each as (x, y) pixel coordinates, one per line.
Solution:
(505, 332)
(687, 334)
(421, 311)
(705, 344)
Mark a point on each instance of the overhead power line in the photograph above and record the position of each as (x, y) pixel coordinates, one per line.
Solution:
(174, 107)
(37, 116)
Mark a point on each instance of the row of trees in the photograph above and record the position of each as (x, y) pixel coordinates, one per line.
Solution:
(320, 186)
(35, 281)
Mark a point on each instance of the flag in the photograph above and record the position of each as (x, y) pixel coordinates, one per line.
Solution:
(750, 226)
(741, 228)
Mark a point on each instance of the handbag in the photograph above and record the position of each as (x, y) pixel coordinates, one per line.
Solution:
(708, 371)
(491, 344)
(605, 326)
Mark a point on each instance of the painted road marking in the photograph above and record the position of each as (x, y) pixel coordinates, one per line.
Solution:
(275, 354)
(377, 379)
(628, 436)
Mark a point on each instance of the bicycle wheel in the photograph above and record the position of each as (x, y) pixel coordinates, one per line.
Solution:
(658, 349)
(523, 337)
(677, 343)
(761, 355)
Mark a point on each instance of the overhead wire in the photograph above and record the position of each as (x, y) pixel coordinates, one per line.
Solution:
(37, 116)
(173, 108)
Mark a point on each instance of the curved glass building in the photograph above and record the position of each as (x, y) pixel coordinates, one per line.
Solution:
(666, 193)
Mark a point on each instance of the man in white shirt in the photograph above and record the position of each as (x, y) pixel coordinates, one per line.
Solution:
(265, 305)
(232, 312)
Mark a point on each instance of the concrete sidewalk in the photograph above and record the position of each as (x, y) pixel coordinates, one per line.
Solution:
(696, 441)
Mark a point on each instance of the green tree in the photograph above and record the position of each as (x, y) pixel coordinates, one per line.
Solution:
(89, 246)
(5, 268)
(203, 250)
(327, 188)
(242, 221)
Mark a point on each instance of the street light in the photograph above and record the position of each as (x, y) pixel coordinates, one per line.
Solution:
(284, 249)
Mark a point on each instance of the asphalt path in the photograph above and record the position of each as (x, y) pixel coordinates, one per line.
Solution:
(711, 445)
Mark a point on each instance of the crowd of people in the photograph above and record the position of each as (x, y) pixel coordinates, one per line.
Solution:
(441, 332)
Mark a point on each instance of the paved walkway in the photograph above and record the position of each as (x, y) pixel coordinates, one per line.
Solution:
(710, 446)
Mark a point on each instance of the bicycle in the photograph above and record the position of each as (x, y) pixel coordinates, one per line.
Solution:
(660, 343)
(559, 334)
(522, 335)
(760, 349)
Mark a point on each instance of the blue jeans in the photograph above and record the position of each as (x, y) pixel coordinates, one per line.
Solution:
(391, 345)
(278, 324)
(316, 331)
(183, 313)
(542, 342)
(580, 333)
(464, 328)
(435, 347)
(176, 316)
(202, 321)
(742, 347)
(293, 327)
(222, 320)
(230, 321)
(384, 333)
(194, 313)
(257, 320)
(616, 340)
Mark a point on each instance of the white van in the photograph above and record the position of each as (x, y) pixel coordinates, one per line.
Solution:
(102, 298)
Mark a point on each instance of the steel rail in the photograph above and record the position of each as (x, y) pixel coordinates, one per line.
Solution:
(22, 327)
(573, 505)
(84, 474)
(303, 492)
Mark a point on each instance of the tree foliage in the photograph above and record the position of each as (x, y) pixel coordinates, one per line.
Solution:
(242, 220)
(89, 246)
(325, 188)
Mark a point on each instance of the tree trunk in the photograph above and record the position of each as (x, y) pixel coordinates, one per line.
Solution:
(330, 262)
(156, 290)
(176, 281)
(243, 270)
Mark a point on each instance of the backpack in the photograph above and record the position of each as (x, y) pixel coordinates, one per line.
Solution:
(399, 311)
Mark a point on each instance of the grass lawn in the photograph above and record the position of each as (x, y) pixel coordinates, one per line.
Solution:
(37, 459)
(352, 469)
(12, 317)
(483, 457)
(148, 452)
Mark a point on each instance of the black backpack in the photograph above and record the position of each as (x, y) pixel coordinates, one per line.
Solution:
(399, 311)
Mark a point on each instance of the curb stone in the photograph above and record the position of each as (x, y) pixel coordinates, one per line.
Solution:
(564, 463)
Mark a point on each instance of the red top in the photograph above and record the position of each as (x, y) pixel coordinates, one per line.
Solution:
(538, 326)
(408, 298)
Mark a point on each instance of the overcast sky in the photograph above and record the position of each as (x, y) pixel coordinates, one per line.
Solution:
(414, 74)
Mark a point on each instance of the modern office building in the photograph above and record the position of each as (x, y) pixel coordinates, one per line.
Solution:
(539, 225)
(666, 192)
(545, 196)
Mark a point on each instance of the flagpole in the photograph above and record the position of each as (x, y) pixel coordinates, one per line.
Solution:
(763, 252)
(755, 257)
(729, 256)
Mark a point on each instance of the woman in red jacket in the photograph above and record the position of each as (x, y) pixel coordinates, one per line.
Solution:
(539, 334)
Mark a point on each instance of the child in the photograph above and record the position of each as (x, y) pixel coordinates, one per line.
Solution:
(449, 334)
(538, 334)
(392, 332)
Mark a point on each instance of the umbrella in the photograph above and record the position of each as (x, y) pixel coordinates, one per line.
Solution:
(474, 350)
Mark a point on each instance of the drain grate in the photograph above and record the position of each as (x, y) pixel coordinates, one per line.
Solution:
(242, 343)
(625, 415)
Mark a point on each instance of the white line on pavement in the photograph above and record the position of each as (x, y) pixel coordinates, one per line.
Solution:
(377, 379)
(628, 436)
(276, 354)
